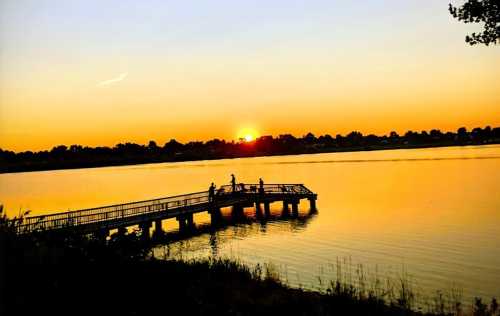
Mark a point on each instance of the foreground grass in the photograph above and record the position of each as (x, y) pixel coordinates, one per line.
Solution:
(164, 287)
(69, 274)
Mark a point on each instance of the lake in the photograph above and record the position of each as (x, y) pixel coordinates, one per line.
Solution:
(433, 214)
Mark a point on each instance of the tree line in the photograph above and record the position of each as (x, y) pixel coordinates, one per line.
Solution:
(77, 156)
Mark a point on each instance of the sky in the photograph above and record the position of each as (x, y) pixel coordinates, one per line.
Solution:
(103, 72)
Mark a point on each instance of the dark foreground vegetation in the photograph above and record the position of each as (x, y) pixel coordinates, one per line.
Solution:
(43, 274)
(76, 156)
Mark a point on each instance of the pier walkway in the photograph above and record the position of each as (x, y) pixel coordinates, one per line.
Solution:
(101, 220)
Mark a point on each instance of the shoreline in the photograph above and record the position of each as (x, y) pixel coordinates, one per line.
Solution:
(304, 152)
(125, 278)
(122, 270)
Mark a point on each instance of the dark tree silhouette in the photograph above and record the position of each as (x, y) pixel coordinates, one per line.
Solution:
(480, 11)
(77, 156)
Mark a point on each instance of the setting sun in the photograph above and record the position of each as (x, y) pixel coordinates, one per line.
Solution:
(247, 134)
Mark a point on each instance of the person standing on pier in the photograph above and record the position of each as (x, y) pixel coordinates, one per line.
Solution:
(261, 186)
(211, 192)
(233, 183)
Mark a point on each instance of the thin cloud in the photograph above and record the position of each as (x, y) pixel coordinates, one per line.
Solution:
(113, 80)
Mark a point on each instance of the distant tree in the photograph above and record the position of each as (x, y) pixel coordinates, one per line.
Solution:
(462, 132)
(326, 140)
(476, 131)
(194, 145)
(215, 142)
(327, 137)
(394, 137)
(173, 146)
(436, 135)
(61, 149)
(371, 139)
(480, 11)
(287, 138)
(310, 138)
(75, 148)
(424, 137)
(152, 145)
(339, 139)
(354, 138)
(393, 134)
(264, 144)
(495, 132)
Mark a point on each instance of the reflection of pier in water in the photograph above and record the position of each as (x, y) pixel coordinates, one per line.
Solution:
(100, 221)
(241, 227)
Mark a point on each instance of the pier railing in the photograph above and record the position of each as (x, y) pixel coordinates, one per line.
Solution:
(131, 209)
(267, 189)
(110, 212)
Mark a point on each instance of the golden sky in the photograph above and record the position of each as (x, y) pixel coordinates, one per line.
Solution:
(93, 73)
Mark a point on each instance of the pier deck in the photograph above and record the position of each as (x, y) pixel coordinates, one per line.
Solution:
(182, 207)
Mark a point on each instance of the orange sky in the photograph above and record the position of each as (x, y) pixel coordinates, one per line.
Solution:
(150, 71)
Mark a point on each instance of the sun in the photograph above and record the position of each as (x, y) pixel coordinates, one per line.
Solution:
(247, 134)
(248, 138)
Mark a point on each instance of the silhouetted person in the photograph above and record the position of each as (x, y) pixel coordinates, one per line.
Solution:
(211, 192)
(233, 183)
(261, 186)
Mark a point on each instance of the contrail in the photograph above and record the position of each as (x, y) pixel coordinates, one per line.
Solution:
(111, 81)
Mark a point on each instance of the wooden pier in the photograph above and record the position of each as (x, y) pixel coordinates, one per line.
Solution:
(101, 220)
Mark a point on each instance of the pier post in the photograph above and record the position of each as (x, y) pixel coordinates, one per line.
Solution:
(312, 203)
(257, 206)
(258, 209)
(158, 228)
(122, 230)
(267, 209)
(237, 210)
(215, 215)
(295, 208)
(286, 209)
(101, 234)
(182, 222)
(189, 220)
(285, 205)
(145, 226)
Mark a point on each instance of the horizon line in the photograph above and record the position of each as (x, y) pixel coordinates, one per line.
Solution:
(241, 140)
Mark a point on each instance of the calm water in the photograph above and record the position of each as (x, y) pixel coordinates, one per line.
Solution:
(434, 213)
